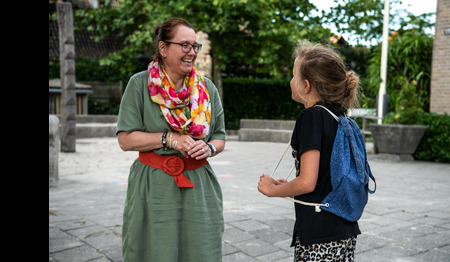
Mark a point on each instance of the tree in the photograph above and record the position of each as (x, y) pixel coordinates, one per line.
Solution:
(363, 19)
(246, 36)
(409, 73)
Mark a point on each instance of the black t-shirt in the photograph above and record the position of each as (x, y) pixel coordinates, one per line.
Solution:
(315, 128)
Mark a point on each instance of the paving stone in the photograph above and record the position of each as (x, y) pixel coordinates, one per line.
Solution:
(234, 235)
(228, 249)
(238, 257)
(406, 220)
(255, 247)
(276, 256)
(434, 255)
(58, 241)
(249, 225)
(285, 245)
(271, 235)
(77, 254)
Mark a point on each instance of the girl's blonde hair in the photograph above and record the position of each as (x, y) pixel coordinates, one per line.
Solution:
(325, 70)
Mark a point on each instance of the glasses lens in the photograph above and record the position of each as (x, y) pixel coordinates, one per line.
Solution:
(197, 48)
(187, 47)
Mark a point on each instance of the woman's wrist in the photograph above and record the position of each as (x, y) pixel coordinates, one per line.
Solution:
(212, 149)
(164, 139)
(174, 141)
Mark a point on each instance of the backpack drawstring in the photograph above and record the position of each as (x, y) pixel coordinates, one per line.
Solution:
(316, 205)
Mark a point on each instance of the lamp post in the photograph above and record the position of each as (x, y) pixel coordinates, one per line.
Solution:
(383, 71)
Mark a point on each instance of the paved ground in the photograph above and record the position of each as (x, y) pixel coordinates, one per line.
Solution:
(407, 219)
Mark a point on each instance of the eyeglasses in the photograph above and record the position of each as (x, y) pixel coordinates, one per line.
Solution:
(185, 47)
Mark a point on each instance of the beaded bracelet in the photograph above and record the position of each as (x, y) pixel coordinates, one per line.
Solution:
(164, 140)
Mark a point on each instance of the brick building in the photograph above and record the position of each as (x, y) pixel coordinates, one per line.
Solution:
(440, 67)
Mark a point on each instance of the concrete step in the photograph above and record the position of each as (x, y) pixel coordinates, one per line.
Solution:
(84, 119)
(89, 126)
(266, 135)
(266, 130)
(267, 124)
(90, 130)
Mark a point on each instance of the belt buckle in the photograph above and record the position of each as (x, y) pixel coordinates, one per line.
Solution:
(173, 165)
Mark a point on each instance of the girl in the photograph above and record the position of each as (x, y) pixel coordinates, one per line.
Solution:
(319, 78)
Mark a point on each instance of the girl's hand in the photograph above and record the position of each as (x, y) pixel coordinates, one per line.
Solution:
(266, 184)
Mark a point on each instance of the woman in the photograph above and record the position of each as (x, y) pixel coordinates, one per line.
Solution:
(173, 117)
(319, 78)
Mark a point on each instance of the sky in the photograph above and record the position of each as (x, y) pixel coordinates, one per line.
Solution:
(417, 7)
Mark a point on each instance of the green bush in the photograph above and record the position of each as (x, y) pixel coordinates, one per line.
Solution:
(98, 107)
(435, 144)
(408, 76)
(89, 69)
(257, 98)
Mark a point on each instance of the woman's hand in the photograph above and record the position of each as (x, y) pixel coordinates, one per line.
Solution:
(181, 143)
(191, 148)
(199, 150)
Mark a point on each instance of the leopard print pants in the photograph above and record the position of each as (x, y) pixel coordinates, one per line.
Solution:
(336, 251)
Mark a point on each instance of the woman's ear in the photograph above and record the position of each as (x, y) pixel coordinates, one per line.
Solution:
(162, 48)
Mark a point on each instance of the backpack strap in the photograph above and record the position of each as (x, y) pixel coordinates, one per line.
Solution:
(331, 113)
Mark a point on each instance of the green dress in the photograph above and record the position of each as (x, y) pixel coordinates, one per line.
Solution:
(162, 222)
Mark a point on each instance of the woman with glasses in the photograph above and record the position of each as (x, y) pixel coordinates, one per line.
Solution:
(173, 117)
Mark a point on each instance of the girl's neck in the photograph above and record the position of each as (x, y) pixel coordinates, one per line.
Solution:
(311, 100)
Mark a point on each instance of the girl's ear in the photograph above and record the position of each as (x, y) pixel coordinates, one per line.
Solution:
(307, 86)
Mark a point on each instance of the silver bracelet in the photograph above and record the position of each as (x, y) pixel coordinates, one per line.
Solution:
(212, 148)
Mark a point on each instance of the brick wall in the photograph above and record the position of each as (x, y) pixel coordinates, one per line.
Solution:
(440, 67)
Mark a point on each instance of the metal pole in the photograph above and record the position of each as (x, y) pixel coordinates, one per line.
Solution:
(384, 54)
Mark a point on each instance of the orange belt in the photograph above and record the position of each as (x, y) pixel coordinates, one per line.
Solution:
(172, 165)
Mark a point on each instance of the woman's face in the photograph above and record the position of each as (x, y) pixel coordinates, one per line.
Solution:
(177, 63)
(297, 84)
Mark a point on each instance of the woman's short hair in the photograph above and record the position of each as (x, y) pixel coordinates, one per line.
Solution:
(166, 32)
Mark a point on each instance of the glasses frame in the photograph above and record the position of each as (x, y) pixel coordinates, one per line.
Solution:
(187, 45)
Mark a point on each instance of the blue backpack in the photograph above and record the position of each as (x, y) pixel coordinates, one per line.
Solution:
(350, 172)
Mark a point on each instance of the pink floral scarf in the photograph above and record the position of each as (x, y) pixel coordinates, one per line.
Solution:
(189, 110)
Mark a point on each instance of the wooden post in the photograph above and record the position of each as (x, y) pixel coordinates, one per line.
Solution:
(67, 62)
(53, 150)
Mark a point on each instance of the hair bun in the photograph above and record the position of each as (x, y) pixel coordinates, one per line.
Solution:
(351, 89)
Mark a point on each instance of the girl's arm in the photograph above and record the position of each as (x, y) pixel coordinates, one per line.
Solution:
(303, 184)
